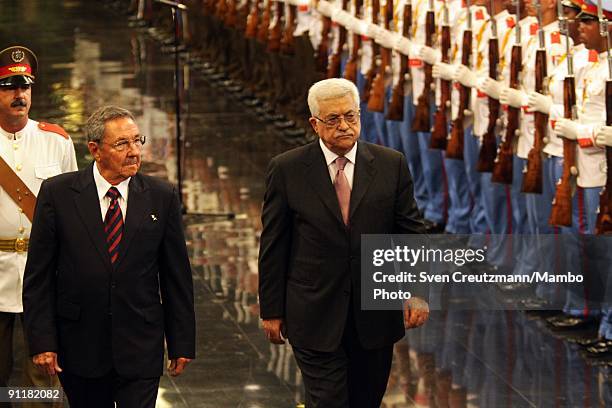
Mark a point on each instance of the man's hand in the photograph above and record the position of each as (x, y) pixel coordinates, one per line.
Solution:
(539, 103)
(491, 87)
(567, 128)
(177, 366)
(603, 137)
(273, 329)
(416, 312)
(465, 76)
(429, 55)
(513, 97)
(443, 70)
(47, 362)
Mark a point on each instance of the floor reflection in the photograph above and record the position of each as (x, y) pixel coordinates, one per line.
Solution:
(460, 358)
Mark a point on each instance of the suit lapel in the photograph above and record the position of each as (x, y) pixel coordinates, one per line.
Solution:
(362, 177)
(136, 212)
(87, 203)
(317, 175)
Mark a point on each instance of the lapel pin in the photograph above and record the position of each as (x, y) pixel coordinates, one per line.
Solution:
(153, 217)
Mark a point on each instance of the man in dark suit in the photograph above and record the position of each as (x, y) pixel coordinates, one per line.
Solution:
(319, 199)
(108, 275)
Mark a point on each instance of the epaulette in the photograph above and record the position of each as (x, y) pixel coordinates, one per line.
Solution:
(50, 127)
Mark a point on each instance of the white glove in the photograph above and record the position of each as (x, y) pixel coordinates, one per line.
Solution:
(491, 87)
(513, 97)
(429, 55)
(373, 30)
(358, 26)
(443, 71)
(341, 17)
(465, 76)
(385, 38)
(326, 8)
(403, 45)
(567, 128)
(539, 103)
(603, 137)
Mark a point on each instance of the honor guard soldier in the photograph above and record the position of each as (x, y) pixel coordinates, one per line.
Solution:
(30, 152)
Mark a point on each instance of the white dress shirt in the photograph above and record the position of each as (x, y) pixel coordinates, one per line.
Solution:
(103, 186)
(349, 168)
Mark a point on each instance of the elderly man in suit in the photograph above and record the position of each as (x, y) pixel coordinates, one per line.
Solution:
(319, 199)
(108, 275)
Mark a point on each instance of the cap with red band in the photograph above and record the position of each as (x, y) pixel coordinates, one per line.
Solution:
(589, 10)
(18, 66)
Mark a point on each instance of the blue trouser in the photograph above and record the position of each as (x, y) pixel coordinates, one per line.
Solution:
(539, 207)
(459, 197)
(387, 129)
(410, 147)
(498, 213)
(368, 127)
(519, 215)
(471, 151)
(433, 172)
(584, 216)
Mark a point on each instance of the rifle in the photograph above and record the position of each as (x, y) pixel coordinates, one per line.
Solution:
(422, 121)
(439, 133)
(454, 149)
(532, 181)
(561, 213)
(333, 66)
(242, 16)
(252, 19)
(376, 100)
(274, 32)
(287, 44)
(486, 158)
(350, 69)
(264, 23)
(323, 49)
(230, 17)
(369, 77)
(502, 172)
(221, 8)
(396, 107)
(604, 216)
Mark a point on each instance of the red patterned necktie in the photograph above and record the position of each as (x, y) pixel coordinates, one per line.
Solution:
(113, 224)
(343, 189)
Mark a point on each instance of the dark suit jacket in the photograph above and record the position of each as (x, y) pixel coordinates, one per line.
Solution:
(97, 316)
(309, 262)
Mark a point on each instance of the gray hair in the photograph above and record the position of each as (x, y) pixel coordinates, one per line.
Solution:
(95, 125)
(332, 88)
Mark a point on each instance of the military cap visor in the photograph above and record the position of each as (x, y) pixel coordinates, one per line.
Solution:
(16, 80)
(571, 4)
(18, 62)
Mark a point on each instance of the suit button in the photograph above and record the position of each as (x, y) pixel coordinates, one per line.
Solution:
(113, 285)
(346, 292)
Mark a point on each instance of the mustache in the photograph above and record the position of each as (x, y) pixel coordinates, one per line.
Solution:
(19, 103)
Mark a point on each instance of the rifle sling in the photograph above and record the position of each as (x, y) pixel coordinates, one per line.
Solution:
(17, 190)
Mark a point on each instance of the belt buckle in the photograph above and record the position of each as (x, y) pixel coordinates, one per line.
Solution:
(20, 245)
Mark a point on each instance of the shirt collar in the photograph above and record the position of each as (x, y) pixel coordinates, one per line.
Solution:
(502, 16)
(331, 156)
(19, 134)
(552, 27)
(103, 186)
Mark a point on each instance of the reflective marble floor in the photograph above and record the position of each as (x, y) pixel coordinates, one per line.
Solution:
(88, 56)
